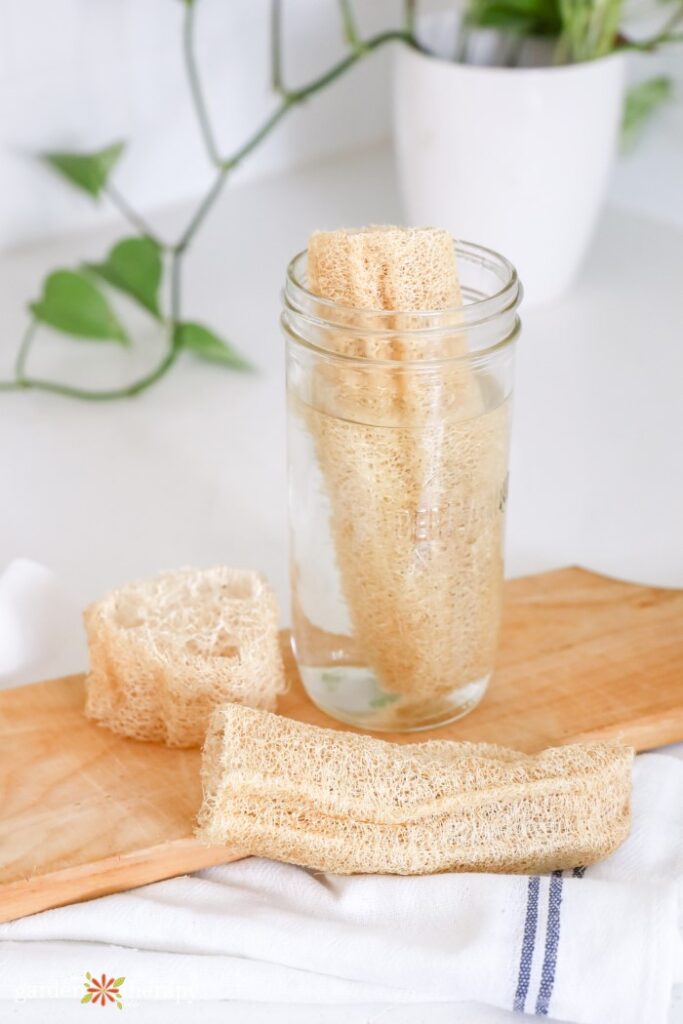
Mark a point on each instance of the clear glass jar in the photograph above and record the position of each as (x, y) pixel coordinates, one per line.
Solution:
(398, 428)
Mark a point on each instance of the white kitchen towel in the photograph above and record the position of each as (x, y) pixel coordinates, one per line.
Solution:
(40, 625)
(600, 946)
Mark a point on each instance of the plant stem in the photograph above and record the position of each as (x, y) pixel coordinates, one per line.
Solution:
(87, 395)
(202, 210)
(290, 99)
(195, 85)
(124, 207)
(22, 354)
(176, 259)
(514, 49)
(266, 128)
(130, 390)
(409, 16)
(648, 45)
(368, 45)
(665, 35)
(295, 96)
(349, 25)
(462, 42)
(276, 46)
(22, 382)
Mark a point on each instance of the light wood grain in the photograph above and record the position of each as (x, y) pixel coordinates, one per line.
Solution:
(84, 812)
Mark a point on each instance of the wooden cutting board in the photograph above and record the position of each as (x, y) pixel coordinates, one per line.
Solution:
(84, 812)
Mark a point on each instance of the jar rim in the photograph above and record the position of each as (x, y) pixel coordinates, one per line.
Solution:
(473, 313)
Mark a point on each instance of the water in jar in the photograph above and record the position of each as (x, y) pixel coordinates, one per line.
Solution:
(397, 556)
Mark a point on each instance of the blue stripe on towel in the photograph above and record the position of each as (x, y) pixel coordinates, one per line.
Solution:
(552, 939)
(528, 943)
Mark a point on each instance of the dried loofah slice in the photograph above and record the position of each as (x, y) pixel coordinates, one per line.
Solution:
(166, 651)
(384, 268)
(415, 467)
(336, 801)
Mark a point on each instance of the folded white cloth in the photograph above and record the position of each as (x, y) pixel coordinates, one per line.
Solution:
(40, 625)
(596, 947)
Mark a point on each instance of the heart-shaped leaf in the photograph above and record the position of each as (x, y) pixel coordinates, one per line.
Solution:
(207, 345)
(134, 266)
(71, 303)
(87, 171)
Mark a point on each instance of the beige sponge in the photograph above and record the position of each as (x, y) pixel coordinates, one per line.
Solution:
(384, 268)
(166, 651)
(414, 463)
(336, 801)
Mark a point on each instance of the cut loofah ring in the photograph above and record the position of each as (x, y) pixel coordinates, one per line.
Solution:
(166, 651)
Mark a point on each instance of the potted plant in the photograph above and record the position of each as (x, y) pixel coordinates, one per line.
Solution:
(511, 140)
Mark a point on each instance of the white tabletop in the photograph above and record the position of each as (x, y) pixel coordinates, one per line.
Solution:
(193, 472)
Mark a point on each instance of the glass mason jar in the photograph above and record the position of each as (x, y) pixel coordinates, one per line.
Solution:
(398, 426)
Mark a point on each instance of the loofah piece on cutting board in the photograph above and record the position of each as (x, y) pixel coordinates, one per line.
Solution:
(166, 651)
(417, 510)
(346, 803)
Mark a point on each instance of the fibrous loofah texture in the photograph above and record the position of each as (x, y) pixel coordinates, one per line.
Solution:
(165, 652)
(384, 267)
(335, 801)
(414, 461)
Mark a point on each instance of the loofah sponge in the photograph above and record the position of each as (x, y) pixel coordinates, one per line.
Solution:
(415, 466)
(346, 803)
(384, 268)
(165, 652)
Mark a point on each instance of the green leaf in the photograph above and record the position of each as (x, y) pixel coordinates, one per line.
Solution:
(87, 171)
(134, 266)
(207, 345)
(74, 305)
(87, 997)
(119, 982)
(641, 101)
(526, 17)
(88, 975)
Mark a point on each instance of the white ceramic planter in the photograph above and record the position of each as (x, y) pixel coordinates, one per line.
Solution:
(517, 159)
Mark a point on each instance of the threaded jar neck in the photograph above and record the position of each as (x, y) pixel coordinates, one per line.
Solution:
(487, 317)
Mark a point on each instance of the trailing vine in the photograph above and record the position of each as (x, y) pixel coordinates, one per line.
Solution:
(72, 301)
